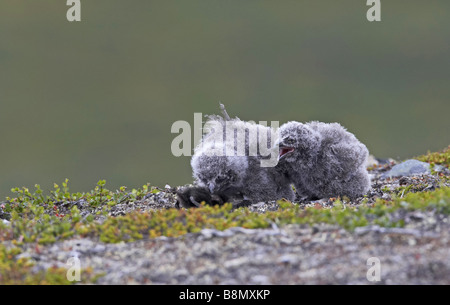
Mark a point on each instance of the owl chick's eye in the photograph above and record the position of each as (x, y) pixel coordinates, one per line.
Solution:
(288, 140)
(220, 180)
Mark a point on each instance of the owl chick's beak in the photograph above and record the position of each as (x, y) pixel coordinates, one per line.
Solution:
(283, 149)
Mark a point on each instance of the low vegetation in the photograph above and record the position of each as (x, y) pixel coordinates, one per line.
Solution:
(437, 158)
(39, 219)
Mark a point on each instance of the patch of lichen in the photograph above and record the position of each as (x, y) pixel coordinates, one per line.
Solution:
(440, 157)
(15, 270)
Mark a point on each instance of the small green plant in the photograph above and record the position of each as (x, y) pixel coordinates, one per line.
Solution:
(46, 219)
(386, 189)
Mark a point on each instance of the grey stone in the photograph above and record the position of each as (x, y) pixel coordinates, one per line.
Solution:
(408, 168)
(439, 168)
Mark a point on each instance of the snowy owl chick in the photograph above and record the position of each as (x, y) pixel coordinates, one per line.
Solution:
(324, 160)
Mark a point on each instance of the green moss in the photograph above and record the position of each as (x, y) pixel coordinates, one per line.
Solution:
(410, 188)
(441, 157)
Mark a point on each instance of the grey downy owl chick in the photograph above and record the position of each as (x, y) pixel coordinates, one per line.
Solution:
(227, 161)
(323, 160)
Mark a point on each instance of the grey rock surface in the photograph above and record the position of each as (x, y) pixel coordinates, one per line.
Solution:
(408, 168)
(293, 254)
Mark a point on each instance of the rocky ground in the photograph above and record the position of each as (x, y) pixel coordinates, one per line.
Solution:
(418, 253)
(321, 254)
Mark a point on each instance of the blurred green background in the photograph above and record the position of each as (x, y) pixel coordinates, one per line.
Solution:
(96, 99)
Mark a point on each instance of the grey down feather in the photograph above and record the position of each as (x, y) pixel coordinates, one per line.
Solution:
(323, 160)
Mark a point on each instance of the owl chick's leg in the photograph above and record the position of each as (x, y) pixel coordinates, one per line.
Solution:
(305, 194)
